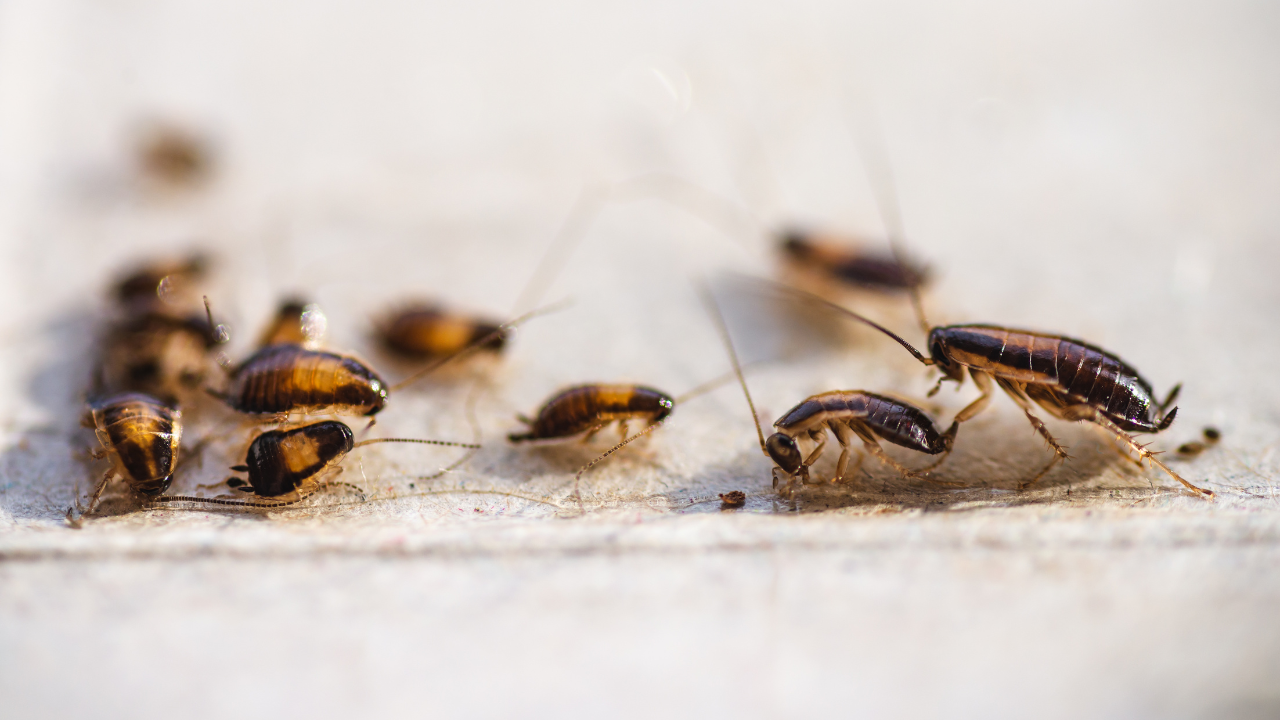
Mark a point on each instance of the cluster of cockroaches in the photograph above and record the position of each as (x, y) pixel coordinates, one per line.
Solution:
(155, 358)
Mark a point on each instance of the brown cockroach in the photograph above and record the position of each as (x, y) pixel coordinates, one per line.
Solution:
(1070, 379)
(140, 434)
(426, 331)
(279, 380)
(285, 467)
(297, 322)
(849, 264)
(584, 410)
(171, 154)
(156, 354)
(869, 416)
(160, 286)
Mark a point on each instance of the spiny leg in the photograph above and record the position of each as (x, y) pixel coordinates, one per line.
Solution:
(1143, 453)
(97, 492)
(1019, 396)
(844, 436)
(819, 436)
(873, 446)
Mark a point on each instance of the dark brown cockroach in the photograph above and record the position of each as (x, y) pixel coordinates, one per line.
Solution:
(846, 413)
(1070, 379)
(297, 322)
(155, 353)
(285, 467)
(161, 286)
(848, 264)
(140, 435)
(426, 332)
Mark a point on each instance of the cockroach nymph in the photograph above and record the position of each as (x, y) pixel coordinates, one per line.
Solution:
(425, 331)
(284, 467)
(284, 379)
(848, 263)
(297, 322)
(584, 410)
(1068, 378)
(869, 416)
(159, 287)
(140, 434)
(157, 354)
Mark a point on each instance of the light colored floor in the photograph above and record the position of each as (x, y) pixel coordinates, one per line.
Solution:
(1105, 171)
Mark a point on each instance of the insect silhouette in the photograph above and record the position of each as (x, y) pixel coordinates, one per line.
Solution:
(285, 467)
(1068, 378)
(584, 410)
(869, 416)
(424, 331)
(140, 434)
(297, 322)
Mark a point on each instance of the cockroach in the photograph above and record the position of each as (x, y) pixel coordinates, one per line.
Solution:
(174, 155)
(159, 287)
(848, 263)
(425, 331)
(584, 410)
(1195, 447)
(154, 353)
(297, 322)
(140, 434)
(869, 416)
(1070, 379)
(282, 379)
(285, 467)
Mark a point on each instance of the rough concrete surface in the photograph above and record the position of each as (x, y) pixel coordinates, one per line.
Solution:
(1103, 170)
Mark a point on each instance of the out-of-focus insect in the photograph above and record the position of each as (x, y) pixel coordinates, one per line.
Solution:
(848, 263)
(1195, 447)
(297, 322)
(424, 331)
(1070, 379)
(157, 354)
(161, 286)
(173, 155)
(285, 467)
(140, 435)
(846, 413)
(282, 379)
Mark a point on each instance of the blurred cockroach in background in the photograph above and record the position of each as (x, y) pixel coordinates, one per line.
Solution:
(175, 156)
(427, 331)
(296, 322)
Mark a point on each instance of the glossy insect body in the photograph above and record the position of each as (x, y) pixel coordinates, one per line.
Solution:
(849, 413)
(1070, 379)
(141, 435)
(285, 467)
(155, 354)
(590, 408)
(850, 265)
(425, 332)
(282, 379)
(286, 462)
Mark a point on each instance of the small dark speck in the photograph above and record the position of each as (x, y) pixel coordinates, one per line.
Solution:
(411, 486)
(1212, 434)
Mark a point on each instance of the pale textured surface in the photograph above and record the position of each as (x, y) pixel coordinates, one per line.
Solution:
(1107, 172)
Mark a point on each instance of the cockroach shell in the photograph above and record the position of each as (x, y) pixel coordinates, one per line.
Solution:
(142, 434)
(425, 332)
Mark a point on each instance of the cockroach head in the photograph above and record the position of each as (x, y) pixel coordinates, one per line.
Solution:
(784, 452)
